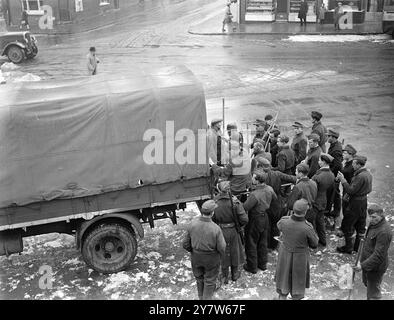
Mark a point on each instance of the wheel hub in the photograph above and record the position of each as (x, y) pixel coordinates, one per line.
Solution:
(109, 246)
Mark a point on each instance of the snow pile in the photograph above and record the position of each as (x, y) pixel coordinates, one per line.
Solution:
(54, 244)
(337, 38)
(8, 66)
(117, 280)
(2, 79)
(27, 77)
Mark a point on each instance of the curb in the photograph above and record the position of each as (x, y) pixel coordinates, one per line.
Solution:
(279, 33)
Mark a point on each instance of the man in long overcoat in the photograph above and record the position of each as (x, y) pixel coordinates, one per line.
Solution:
(297, 236)
(224, 217)
(285, 159)
(205, 241)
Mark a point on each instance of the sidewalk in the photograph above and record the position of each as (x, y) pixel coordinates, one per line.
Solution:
(213, 26)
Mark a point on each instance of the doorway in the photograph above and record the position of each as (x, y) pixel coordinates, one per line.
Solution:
(281, 10)
(64, 10)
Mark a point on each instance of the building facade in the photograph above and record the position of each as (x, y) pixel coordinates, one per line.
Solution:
(287, 10)
(67, 15)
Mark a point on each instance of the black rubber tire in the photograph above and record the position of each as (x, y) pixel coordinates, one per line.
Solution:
(15, 54)
(96, 255)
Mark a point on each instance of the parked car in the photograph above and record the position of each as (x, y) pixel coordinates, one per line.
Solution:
(18, 46)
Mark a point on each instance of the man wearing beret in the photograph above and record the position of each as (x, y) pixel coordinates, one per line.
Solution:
(354, 217)
(225, 215)
(299, 143)
(285, 159)
(205, 241)
(319, 129)
(313, 155)
(216, 144)
(305, 188)
(374, 257)
(297, 236)
(324, 179)
(256, 231)
(333, 194)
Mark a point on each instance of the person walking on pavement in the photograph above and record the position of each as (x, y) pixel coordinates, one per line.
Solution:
(285, 159)
(302, 13)
(324, 179)
(24, 20)
(354, 217)
(297, 236)
(333, 194)
(299, 143)
(206, 243)
(338, 13)
(225, 215)
(322, 13)
(228, 17)
(304, 188)
(92, 61)
(313, 154)
(257, 204)
(319, 129)
(374, 256)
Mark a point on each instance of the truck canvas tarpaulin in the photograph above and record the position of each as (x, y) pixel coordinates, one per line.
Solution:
(83, 137)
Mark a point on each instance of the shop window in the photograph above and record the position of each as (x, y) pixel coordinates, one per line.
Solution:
(33, 6)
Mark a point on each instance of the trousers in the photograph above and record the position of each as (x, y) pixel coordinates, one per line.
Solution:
(354, 218)
(206, 268)
(373, 280)
(256, 233)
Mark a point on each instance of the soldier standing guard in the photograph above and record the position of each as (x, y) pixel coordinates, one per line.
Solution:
(225, 216)
(205, 241)
(292, 270)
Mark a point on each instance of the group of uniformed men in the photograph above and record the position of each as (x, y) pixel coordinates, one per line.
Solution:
(255, 195)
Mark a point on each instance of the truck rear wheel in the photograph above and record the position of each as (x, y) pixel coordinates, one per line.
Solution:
(109, 247)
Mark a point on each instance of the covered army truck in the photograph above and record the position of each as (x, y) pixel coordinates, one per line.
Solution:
(96, 157)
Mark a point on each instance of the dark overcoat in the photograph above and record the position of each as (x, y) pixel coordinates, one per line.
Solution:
(223, 215)
(292, 270)
(324, 179)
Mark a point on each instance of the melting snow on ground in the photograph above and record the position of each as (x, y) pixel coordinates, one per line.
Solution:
(339, 38)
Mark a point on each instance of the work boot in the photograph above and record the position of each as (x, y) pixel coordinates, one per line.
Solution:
(246, 268)
(348, 247)
(224, 277)
(235, 273)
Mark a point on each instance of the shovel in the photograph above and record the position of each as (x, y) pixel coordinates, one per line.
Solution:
(350, 273)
